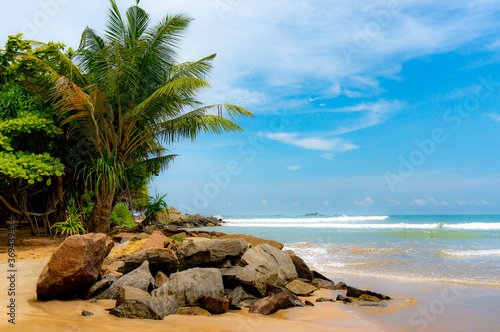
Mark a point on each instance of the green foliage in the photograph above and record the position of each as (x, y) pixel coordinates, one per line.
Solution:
(155, 206)
(73, 224)
(177, 238)
(121, 216)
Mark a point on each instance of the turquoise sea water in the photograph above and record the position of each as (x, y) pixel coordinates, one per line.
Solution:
(463, 249)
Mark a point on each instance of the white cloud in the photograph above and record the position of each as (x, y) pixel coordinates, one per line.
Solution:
(294, 167)
(493, 116)
(436, 203)
(393, 202)
(419, 202)
(461, 203)
(328, 156)
(326, 203)
(229, 204)
(311, 143)
(484, 203)
(367, 202)
(264, 202)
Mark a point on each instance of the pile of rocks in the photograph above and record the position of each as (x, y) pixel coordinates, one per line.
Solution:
(157, 276)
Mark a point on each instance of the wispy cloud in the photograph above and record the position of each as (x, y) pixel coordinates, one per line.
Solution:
(294, 167)
(311, 143)
(326, 203)
(493, 116)
(367, 202)
(418, 202)
(393, 202)
(436, 203)
(328, 156)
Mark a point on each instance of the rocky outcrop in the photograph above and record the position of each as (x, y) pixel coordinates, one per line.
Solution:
(210, 252)
(128, 293)
(229, 276)
(214, 305)
(271, 304)
(139, 278)
(354, 292)
(164, 260)
(253, 241)
(300, 288)
(188, 285)
(73, 267)
(124, 237)
(156, 240)
(147, 308)
(259, 275)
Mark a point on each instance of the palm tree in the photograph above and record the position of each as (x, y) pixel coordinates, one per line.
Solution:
(126, 95)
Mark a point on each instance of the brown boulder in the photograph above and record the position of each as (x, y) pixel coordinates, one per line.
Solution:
(253, 241)
(193, 311)
(123, 237)
(301, 267)
(300, 288)
(73, 267)
(324, 284)
(354, 292)
(156, 240)
(271, 304)
(213, 304)
(160, 279)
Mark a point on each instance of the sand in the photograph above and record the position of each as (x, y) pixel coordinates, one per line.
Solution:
(34, 315)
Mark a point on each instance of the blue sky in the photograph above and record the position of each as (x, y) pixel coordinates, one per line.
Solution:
(379, 107)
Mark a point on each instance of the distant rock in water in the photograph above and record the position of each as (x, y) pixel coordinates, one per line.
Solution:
(314, 214)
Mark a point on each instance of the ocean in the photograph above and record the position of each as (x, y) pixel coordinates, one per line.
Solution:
(462, 249)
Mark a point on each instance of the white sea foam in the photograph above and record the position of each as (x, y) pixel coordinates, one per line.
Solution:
(468, 253)
(304, 220)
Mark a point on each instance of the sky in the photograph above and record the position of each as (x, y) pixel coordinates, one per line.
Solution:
(361, 107)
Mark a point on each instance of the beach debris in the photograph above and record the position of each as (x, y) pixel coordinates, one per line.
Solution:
(160, 279)
(229, 276)
(309, 303)
(193, 311)
(354, 292)
(242, 296)
(73, 267)
(211, 252)
(147, 308)
(188, 285)
(155, 240)
(87, 313)
(270, 304)
(343, 299)
(139, 278)
(214, 304)
(127, 293)
(323, 284)
(325, 299)
(159, 259)
(300, 288)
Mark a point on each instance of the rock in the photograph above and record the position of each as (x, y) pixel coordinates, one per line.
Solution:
(341, 286)
(164, 260)
(273, 289)
(214, 305)
(98, 288)
(124, 237)
(253, 241)
(317, 275)
(309, 303)
(263, 262)
(139, 278)
(369, 298)
(156, 240)
(187, 225)
(343, 299)
(127, 293)
(354, 292)
(121, 253)
(193, 311)
(301, 267)
(87, 313)
(240, 296)
(188, 285)
(113, 269)
(271, 304)
(160, 279)
(229, 276)
(323, 284)
(149, 308)
(370, 304)
(324, 299)
(73, 267)
(210, 252)
(300, 288)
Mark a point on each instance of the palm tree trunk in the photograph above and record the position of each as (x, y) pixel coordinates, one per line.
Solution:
(100, 218)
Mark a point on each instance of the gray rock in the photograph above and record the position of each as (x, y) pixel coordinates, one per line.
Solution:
(272, 290)
(87, 313)
(210, 252)
(371, 304)
(151, 308)
(271, 304)
(139, 278)
(259, 275)
(354, 292)
(229, 276)
(369, 298)
(242, 297)
(160, 279)
(98, 288)
(324, 284)
(300, 288)
(127, 293)
(343, 299)
(159, 259)
(324, 299)
(309, 303)
(188, 285)
(301, 267)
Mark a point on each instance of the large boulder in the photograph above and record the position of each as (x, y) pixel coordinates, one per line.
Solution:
(164, 260)
(214, 305)
(253, 241)
(354, 292)
(242, 296)
(73, 267)
(147, 308)
(229, 276)
(120, 252)
(323, 284)
(139, 278)
(156, 240)
(210, 252)
(266, 265)
(271, 304)
(188, 285)
(273, 290)
(301, 267)
(124, 237)
(300, 288)
(128, 293)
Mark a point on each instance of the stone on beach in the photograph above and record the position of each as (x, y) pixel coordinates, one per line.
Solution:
(156, 240)
(273, 290)
(301, 267)
(354, 292)
(213, 304)
(369, 298)
(147, 308)
(193, 311)
(160, 279)
(324, 284)
(164, 260)
(73, 267)
(188, 285)
(99, 287)
(258, 275)
(343, 299)
(127, 293)
(271, 304)
(139, 278)
(324, 299)
(210, 252)
(240, 296)
(229, 276)
(300, 288)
